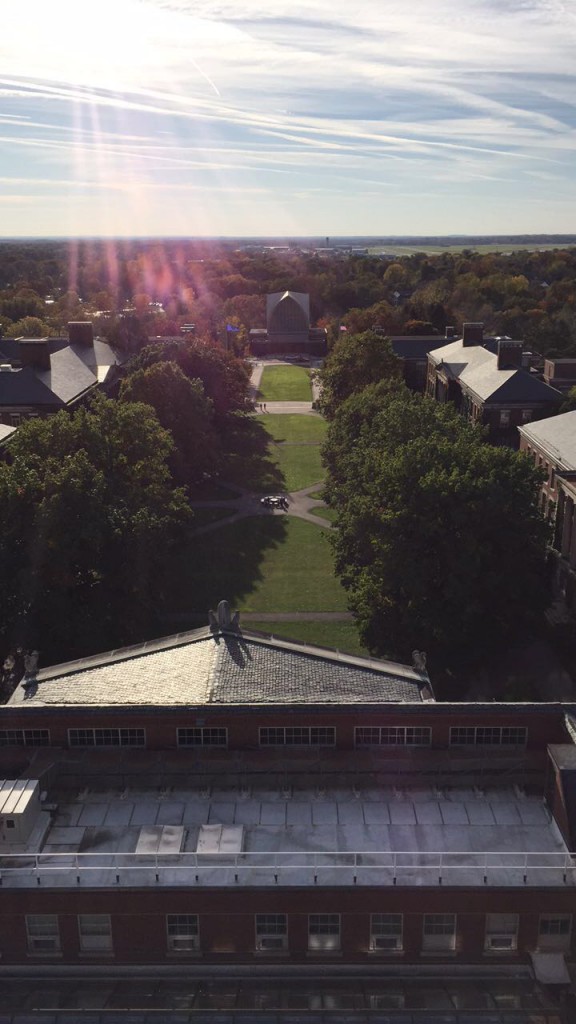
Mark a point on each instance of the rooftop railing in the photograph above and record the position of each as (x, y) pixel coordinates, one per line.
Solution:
(290, 868)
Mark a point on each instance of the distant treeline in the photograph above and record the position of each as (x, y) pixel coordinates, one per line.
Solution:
(137, 288)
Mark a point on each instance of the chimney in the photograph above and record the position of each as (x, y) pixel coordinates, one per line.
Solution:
(449, 334)
(34, 352)
(509, 354)
(81, 332)
(472, 334)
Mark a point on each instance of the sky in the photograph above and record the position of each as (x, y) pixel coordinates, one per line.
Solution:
(262, 117)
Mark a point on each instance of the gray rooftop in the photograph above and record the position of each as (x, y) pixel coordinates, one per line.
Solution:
(223, 668)
(557, 434)
(264, 835)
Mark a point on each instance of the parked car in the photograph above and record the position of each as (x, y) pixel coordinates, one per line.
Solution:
(274, 501)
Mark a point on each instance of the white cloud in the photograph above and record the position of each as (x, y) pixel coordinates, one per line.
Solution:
(242, 92)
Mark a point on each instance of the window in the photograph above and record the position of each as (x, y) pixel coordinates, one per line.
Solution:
(386, 932)
(554, 932)
(501, 933)
(526, 415)
(95, 931)
(25, 737)
(183, 933)
(439, 932)
(392, 736)
(43, 933)
(107, 737)
(202, 737)
(298, 736)
(488, 735)
(324, 932)
(15, 419)
(504, 417)
(271, 931)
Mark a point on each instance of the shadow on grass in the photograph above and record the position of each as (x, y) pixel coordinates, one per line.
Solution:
(224, 564)
(247, 461)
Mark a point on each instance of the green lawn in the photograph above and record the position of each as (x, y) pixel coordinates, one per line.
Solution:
(299, 466)
(285, 384)
(324, 512)
(259, 565)
(291, 428)
(342, 636)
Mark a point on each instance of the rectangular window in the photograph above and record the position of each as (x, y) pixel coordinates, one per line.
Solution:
(526, 415)
(386, 932)
(25, 737)
(43, 933)
(271, 932)
(439, 933)
(95, 931)
(554, 932)
(504, 417)
(182, 932)
(393, 736)
(324, 932)
(488, 736)
(15, 419)
(501, 933)
(107, 737)
(202, 737)
(298, 736)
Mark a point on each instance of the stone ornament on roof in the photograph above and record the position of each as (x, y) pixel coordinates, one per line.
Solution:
(222, 619)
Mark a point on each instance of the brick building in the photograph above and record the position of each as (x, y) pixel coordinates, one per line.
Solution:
(494, 388)
(286, 828)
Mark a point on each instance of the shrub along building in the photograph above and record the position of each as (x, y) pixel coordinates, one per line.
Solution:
(219, 801)
(496, 389)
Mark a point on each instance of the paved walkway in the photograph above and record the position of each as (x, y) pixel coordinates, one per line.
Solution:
(247, 503)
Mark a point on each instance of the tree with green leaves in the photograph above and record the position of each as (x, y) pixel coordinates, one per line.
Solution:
(88, 515)
(356, 361)
(440, 542)
(224, 376)
(182, 408)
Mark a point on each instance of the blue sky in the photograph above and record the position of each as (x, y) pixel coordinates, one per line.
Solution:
(259, 117)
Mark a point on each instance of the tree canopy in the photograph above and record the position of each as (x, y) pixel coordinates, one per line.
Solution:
(440, 542)
(356, 361)
(182, 408)
(225, 378)
(88, 514)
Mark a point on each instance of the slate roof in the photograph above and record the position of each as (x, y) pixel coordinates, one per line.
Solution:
(557, 434)
(74, 370)
(456, 357)
(516, 385)
(414, 347)
(68, 376)
(224, 668)
(6, 432)
(23, 387)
